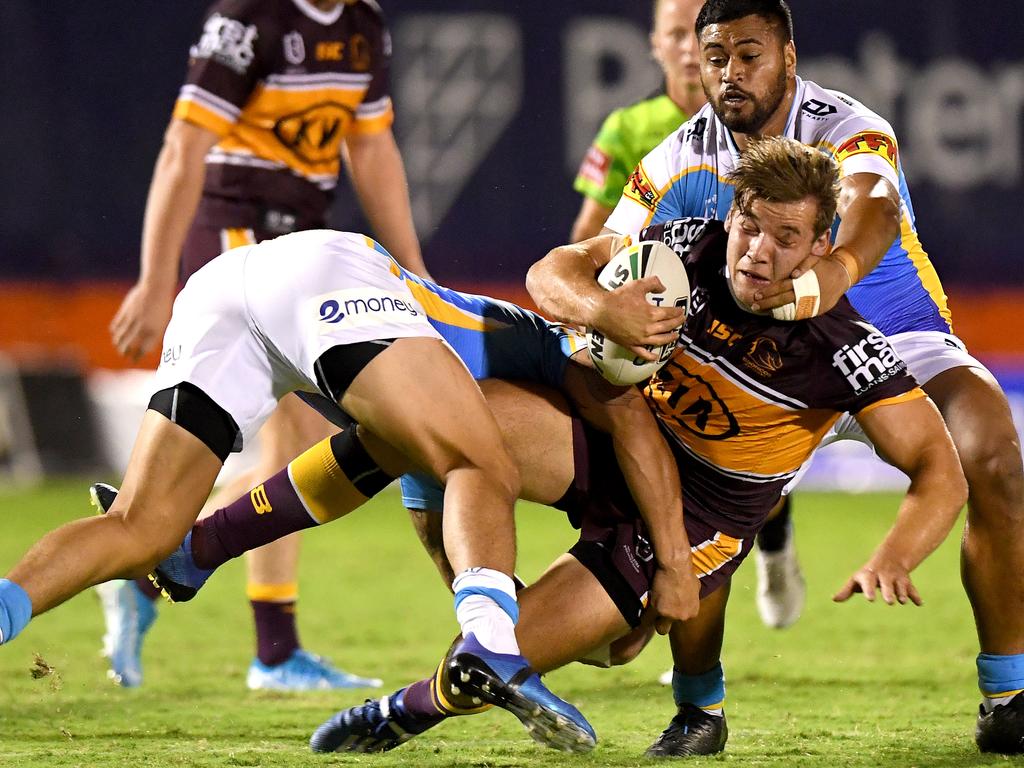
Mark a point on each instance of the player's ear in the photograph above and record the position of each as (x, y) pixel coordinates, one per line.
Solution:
(728, 217)
(822, 244)
(789, 55)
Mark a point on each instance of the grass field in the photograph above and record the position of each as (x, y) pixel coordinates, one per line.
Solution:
(849, 685)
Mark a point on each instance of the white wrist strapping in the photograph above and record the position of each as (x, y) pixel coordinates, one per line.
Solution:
(808, 299)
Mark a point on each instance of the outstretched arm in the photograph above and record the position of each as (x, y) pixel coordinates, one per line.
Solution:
(653, 479)
(564, 286)
(911, 436)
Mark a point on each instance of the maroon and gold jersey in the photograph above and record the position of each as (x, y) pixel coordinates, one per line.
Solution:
(283, 83)
(746, 399)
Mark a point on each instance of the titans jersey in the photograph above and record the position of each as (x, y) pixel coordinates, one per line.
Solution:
(745, 399)
(282, 83)
(686, 176)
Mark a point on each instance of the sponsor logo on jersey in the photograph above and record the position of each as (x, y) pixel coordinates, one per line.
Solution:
(315, 133)
(870, 142)
(868, 362)
(329, 50)
(228, 42)
(595, 165)
(294, 48)
(696, 130)
(763, 357)
(359, 53)
(639, 188)
(819, 110)
(171, 355)
(357, 307)
(692, 404)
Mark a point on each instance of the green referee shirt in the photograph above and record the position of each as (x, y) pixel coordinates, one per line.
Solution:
(626, 136)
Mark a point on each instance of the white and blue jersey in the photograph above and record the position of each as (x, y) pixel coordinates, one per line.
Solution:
(686, 175)
(495, 339)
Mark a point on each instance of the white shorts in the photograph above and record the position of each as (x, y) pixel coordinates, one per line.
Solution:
(927, 354)
(249, 326)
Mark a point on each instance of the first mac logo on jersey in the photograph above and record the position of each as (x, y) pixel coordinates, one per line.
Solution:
(868, 362)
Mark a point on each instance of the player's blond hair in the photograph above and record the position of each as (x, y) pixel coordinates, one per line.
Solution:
(780, 170)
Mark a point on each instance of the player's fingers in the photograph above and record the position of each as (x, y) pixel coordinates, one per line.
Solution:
(765, 300)
(644, 353)
(846, 591)
(808, 263)
(901, 590)
(887, 589)
(650, 284)
(867, 583)
(913, 594)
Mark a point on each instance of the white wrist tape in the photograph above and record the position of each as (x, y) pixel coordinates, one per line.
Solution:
(808, 299)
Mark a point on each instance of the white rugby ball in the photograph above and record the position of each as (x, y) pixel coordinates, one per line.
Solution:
(648, 258)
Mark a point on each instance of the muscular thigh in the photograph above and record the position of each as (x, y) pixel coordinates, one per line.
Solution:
(536, 428)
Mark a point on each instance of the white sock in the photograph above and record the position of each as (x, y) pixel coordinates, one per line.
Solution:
(482, 614)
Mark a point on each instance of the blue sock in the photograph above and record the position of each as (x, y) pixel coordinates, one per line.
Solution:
(1000, 677)
(15, 610)
(706, 691)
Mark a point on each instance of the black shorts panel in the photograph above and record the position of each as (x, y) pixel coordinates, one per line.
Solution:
(338, 367)
(195, 411)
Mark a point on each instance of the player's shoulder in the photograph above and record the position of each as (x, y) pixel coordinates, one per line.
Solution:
(685, 146)
(828, 112)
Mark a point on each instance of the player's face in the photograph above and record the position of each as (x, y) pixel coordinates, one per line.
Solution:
(746, 70)
(768, 242)
(674, 42)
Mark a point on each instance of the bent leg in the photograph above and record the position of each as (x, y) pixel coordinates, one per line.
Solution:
(979, 420)
(169, 476)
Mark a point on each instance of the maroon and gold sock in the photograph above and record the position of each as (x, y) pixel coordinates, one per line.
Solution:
(273, 609)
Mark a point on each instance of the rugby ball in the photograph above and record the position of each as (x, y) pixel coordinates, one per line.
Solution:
(648, 258)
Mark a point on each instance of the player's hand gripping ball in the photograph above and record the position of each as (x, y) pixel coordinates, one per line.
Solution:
(644, 259)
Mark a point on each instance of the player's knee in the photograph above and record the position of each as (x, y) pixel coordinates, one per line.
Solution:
(994, 474)
(146, 539)
(628, 647)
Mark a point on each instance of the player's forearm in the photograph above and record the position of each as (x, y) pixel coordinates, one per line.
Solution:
(379, 179)
(563, 284)
(936, 495)
(174, 195)
(870, 222)
(650, 472)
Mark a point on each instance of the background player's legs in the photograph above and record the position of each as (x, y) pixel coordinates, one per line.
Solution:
(992, 556)
(169, 475)
(272, 570)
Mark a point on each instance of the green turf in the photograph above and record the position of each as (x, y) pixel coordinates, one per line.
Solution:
(849, 685)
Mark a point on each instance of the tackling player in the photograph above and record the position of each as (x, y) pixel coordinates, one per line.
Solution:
(748, 70)
(277, 93)
(328, 314)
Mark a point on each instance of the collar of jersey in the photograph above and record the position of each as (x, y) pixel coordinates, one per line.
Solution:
(323, 17)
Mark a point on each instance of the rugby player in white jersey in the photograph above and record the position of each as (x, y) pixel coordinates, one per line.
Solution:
(328, 314)
(748, 70)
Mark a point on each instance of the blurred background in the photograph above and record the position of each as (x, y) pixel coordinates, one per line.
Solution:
(496, 103)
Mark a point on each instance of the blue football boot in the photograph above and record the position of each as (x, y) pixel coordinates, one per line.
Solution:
(374, 726)
(508, 681)
(304, 671)
(128, 614)
(177, 576)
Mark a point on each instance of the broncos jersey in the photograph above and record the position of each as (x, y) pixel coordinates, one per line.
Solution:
(282, 83)
(686, 175)
(745, 399)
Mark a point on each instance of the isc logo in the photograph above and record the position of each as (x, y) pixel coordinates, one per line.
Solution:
(868, 361)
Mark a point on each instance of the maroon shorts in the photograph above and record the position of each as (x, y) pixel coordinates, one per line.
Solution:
(614, 544)
(221, 224)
